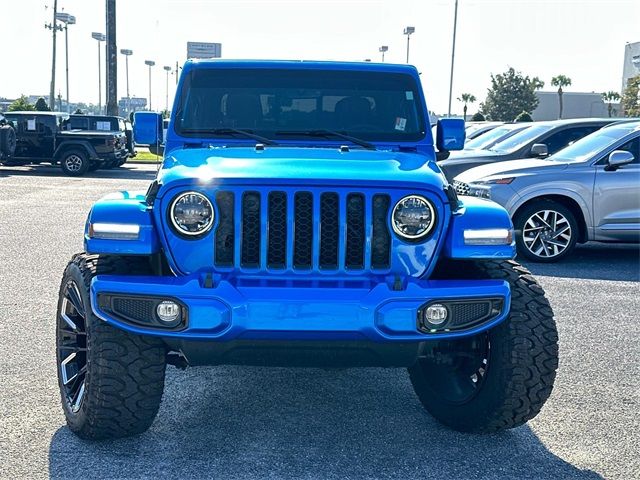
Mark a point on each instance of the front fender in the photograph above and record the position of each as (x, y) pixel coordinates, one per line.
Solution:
(479, 215)
(122, 211)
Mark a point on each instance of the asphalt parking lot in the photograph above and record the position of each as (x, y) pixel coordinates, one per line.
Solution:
(232, 422)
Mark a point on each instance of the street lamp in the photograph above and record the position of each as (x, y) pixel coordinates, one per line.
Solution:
(453, 55)
(67, 20)
(150, 63)
(127, 53)
(166, 105)
(383, 49)
(408, 31)
(100, 37)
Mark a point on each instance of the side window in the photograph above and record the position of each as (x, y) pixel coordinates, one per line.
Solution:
(632, 146)
(557, 141)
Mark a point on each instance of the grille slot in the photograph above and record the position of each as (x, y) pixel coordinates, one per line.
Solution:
(354, 255)
(278, 230)
(250, 230)
(380, 237)
(277, 247)
(303, 232)
(464, 313)
(137, 310)
(225, 234)
(329, 230)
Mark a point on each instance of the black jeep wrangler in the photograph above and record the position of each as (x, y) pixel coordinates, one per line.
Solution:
(105, 123)
(41, 138)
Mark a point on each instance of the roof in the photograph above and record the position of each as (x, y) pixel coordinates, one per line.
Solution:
(575, 121)
(36, 112)
(302, 65)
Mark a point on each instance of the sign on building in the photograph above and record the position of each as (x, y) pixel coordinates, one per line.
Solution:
(204, 50)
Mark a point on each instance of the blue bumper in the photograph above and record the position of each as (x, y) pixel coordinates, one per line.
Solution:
(294, 309)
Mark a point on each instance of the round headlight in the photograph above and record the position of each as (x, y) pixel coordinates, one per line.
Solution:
(413, 217)
(191, 213)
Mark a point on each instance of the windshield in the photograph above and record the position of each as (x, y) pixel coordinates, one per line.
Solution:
(494, 136)
(520, 139)
(378, 106)
(592, 144)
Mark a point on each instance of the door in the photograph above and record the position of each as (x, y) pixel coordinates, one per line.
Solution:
(616, 198)
(563, 138)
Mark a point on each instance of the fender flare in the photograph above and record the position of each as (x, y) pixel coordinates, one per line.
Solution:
(70, 144)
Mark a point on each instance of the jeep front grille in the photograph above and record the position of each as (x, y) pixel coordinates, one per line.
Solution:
(276, 230)
(461, 187)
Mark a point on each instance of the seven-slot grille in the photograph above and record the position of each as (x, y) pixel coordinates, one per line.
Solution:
(275, 230)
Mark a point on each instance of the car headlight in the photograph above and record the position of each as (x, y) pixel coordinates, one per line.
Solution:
(481, 191)
(191, 213)
(413, 217)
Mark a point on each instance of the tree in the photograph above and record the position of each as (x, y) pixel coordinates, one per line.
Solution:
(21, 105)
(510, 93)
(524, 117)
(41, 105)
(466, 98)
(78, 112)
(560, 81)
(477, 117)
(610, 97)
(630, 101)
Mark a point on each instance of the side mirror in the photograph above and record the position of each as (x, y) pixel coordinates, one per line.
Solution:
(617, 158)
(539, 150)
(450, 134)
(147, 128)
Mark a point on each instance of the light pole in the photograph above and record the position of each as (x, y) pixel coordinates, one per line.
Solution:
(100, 37)
(453, 55)
(67, 20)
(408, 31)
(383, 49)
(127, 53)
(54, 27)
(166, 104)
(150, 63)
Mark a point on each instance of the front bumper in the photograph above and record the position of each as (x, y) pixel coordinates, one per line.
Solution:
(228, 309)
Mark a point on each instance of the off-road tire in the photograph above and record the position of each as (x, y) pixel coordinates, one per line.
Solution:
(522, 359)
(531, 209)
(124, 378)
(7, 141)
(71, 157)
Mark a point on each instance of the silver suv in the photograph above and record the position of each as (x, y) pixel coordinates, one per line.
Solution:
(587, 191)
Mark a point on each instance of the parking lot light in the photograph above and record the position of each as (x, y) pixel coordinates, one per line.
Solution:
(100, 37)
(408, 31)
(149, 63)
(67, 19)
(383, 49)
(127, 53)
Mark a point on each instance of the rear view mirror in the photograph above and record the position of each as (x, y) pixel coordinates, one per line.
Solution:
(450, 134)
(539, 150)
(617, 158)
(147, 128)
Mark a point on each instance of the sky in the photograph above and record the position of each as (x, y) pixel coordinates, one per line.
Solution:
(583, 39)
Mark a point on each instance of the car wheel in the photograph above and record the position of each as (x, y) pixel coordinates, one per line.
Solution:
(74, 163)
(111, 381)
(546, 231)
(497, 379)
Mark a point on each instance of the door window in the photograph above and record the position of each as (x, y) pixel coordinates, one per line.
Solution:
(559, 140)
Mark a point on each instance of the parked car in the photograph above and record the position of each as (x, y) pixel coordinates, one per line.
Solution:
(587, 191)
(495, 135)
(105, 123)
(7, 138)
(476, 129)
(538, 141)
(300, 220)
(41, 138)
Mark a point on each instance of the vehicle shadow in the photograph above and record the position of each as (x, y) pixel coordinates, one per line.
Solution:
(126, 172)
(240, 422)
(618, 262)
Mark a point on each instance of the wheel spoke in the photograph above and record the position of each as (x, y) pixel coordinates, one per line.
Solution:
(76, 300)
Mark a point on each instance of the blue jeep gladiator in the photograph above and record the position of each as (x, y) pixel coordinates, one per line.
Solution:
(300, 219)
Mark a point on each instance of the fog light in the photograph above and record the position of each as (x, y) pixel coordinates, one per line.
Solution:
(168, 311)
(436, 314)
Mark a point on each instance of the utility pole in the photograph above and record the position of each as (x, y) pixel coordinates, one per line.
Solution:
(453, 55)
(112, 60)
(54, 28)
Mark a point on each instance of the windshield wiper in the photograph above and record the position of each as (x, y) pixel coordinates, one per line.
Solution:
(233, 131)
(330, 133)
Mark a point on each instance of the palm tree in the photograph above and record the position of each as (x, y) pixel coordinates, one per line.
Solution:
(466, 98)
(610, 97)
(560, 81)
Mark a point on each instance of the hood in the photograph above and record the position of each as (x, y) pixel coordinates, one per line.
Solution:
(505, 168)
(286, 165)
(471, 153)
